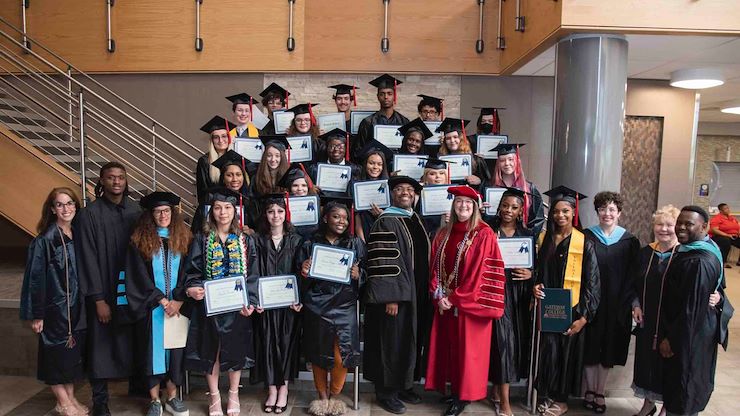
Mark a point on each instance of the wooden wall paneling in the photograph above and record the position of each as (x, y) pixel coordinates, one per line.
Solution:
(10, 10)
(692, 16)
(542, 24)
(440, 38)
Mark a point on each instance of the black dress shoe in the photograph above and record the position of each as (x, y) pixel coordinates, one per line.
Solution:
(100, 410)
(391, 404)
(409, 396)
(456, 407)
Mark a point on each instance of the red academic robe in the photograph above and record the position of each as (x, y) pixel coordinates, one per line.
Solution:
(459, 348)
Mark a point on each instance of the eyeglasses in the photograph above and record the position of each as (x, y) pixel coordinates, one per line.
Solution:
(302, 120)
(60, 205)
(429, 112)
(336, 146)
(605, 210)
(162, 212)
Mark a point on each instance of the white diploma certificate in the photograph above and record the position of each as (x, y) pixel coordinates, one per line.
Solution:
(486, 142)
(388, 135)
(225, 295)
(371, 192)
(517, 252)
(301, 149)
(435, 200)
(333, 177)
(331, 121)
(331, 263)
(281, 119)
(250, 149)
(278, 291)
(356, 117)
(304, 210)
(493, 197)
(175, 331)
(462, 166)
(410, 165)
(259, 119)
(436, 139)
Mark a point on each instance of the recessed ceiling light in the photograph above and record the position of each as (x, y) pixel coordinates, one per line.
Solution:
(697, 78)
(731, 107)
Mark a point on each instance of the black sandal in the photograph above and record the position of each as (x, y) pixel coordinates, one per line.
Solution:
(599, 408)
(589, 404)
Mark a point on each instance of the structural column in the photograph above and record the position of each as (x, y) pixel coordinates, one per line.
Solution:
(590, 91)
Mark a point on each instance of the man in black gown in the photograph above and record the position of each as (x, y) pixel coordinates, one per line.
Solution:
(689, 328)
(397, 298)
(102, 233)
(386, 116)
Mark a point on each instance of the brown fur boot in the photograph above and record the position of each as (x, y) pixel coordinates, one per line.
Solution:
(336, 407)
(319, 408)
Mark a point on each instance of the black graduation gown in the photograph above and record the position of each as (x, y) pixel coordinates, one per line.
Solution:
(228, 334)
(203, 179)
(102, 231)
(692, 328)
(561, 356)
(398, 272)
(144, 296)
(432, 223)
(512, 333)
(269, 128)
(366, 130)
(44, 296)
(608, 334)
(536, 212)
(277, 332)
(648, 371)
(330, 310)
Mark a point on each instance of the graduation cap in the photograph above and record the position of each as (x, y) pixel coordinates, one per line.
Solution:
(346, 89)
(401, 179)
(416, 125)
(223, 194)
(277, 89)
(432, 102)
(507, 148)
(434, 163)
(281, 199)
(242, 98)
(511, 191)
(453, 124)
(291, 176)
(563, 193)
(215, 123)
(488, 111)
(335, 133)
(376, 146)
(303, 109)
(280, 141)
(230, 158)
(158, 199)
(387, 81)
(340, 201)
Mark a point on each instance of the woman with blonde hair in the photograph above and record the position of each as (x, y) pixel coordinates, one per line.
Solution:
(155, 273)
(207, 175)
(52, 302)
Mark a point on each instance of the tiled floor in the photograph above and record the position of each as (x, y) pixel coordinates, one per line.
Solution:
(24, 396)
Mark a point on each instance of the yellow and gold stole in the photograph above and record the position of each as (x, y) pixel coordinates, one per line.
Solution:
(573, 266)
(252, 132)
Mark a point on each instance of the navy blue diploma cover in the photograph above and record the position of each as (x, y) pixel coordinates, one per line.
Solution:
(556, 313)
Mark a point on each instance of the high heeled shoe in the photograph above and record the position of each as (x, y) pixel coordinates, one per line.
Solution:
(214, 409)
(69, 410)
(233, 407)
(651, 412)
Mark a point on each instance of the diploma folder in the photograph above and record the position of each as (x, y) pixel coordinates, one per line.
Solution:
(556, 312)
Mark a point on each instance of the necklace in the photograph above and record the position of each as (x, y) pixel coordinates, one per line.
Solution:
(443, 279)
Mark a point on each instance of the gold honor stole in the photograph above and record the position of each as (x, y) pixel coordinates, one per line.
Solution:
(573, 266)
(252, 132)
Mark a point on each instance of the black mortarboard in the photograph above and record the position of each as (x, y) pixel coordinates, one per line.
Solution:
(344, 89)
(385, 81)
(276, 89)
(290, 176)
(507, 148)
(399, 179)
(561, 192)
(223, 194)
(450, 124)
(158, 199)
(280, 141)
(347, 201)
(302, 108)
(268, 199)
(514, 192)
(229, 158)
(334, 134)
(374, 145)
(419, 126)
(487, 111)
(434, 163)
(242, 98)
(216, 123)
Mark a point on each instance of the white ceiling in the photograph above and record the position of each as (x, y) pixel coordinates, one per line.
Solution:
(656, 56)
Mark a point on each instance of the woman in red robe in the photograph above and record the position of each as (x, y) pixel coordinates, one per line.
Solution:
(467, 283)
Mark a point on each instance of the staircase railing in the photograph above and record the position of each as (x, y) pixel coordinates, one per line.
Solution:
(82, 124)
